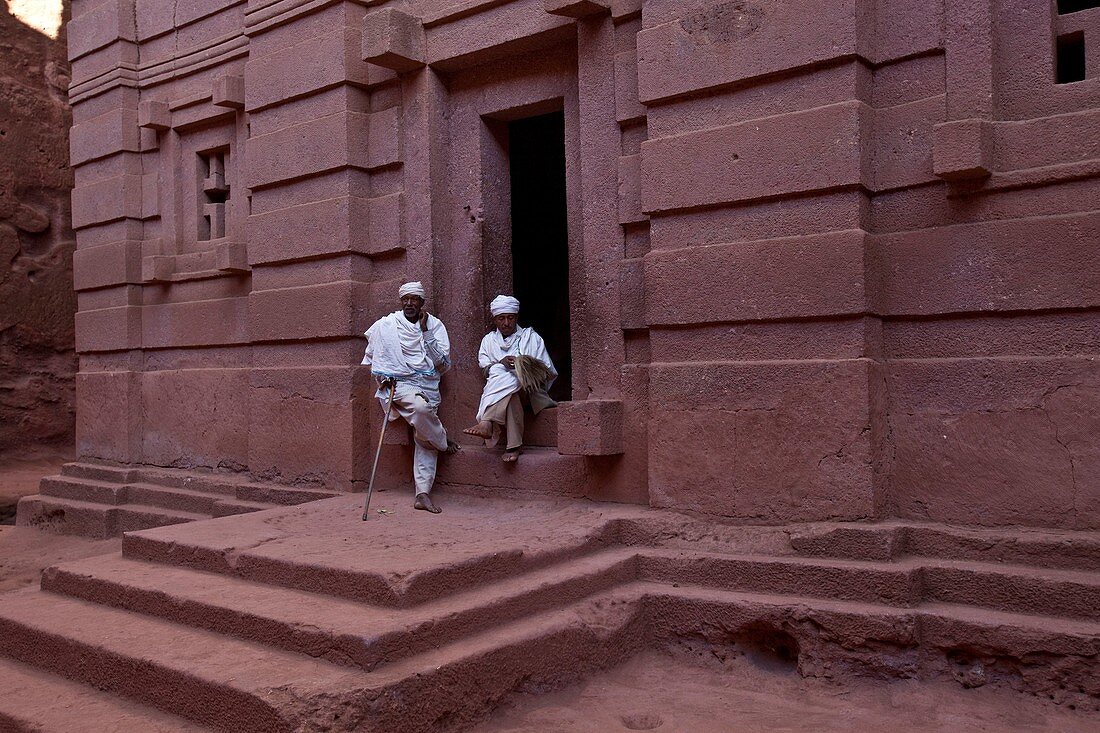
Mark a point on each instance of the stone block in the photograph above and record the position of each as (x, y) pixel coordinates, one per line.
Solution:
(214, 322)
(154, 115)
(113, 132)
(630, 190)
(232, 257)
(990, 266)
(101, 26)
(795, 277)
(632, 294)
(309, 148)
(195, 417)
(766, 441)
(337, 309)
(108, 416)
(713, 43)
(302, 425)
(304, 68)
(962, 149)
(229, 91)
(576, 8)
(115, 263)
(108, 329)
(157, 268)
(590, 428)
(786, 154)
(107, 200)
(393, 39)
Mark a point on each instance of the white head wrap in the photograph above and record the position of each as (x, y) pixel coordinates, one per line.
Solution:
(503, 304)
(413, 288)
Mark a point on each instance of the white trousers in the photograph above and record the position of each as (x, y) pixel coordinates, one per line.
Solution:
(430, 438)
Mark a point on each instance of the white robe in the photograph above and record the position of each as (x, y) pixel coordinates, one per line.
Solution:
(502, 381)
(398, 348)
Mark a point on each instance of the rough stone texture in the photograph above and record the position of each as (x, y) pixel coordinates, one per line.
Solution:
(834, 270)
(37, 360)
(306, 618)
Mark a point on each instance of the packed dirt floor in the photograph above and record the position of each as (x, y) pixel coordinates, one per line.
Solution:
(677, 693)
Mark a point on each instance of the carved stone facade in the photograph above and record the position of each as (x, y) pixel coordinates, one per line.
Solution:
(837, 269)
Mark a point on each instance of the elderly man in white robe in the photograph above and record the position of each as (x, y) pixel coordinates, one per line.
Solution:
(517, 368)
(407, 351)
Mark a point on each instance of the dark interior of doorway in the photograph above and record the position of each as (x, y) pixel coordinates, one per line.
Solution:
(540, 236)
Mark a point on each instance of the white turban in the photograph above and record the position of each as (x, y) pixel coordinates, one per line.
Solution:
(413, 288)
(503, 304)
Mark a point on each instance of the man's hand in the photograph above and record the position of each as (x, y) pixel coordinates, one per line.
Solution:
(424, 321)
(509, 362)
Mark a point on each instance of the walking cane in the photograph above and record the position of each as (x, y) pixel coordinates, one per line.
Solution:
(378, 453)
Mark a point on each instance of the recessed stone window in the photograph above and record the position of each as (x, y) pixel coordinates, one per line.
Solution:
(1069, 64)
(214, 194)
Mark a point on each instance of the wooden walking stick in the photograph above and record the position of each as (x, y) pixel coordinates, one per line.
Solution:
(378, 452)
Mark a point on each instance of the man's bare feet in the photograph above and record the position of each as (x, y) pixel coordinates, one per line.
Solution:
(452, 448)
(424, 501)
(483, 430)
(510, 456)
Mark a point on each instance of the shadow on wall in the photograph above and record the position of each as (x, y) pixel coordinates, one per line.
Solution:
(37, 302)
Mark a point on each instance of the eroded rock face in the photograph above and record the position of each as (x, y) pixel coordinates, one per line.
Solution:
(37, 302)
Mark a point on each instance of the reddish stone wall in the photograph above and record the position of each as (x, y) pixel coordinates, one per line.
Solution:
(844, 268)
(37, 303)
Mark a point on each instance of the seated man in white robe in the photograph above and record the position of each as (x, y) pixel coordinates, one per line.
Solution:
(407, 351)
(517, 367)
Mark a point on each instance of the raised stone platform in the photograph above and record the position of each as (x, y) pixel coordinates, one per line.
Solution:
(307, 618)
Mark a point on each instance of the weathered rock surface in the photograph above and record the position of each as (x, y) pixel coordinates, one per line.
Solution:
(37, 302)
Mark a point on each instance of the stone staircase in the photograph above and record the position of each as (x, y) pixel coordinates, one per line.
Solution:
(305, 618)
(100, 501)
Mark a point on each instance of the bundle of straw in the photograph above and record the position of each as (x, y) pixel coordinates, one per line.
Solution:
(533, 375)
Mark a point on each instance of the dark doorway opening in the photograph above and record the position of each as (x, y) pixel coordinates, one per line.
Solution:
(540, 236)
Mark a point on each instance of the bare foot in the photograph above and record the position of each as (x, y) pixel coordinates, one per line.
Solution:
(483, 430)
(510, 456)
(452, 448)
(423, 501)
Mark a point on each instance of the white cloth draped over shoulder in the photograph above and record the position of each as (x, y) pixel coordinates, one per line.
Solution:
(501, 381)
(397, 348)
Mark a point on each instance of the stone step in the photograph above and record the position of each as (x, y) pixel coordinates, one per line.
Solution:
(907, 582)
(538, 469)
(926, 640)
(333, 552)
(170, 497)
(339, 630)
(236, 685)
(83, 489)
(100, 521)
(870, 582)
(44, 703)
(231, 507)
(99, 472)
(280, 495)
(1069, 550)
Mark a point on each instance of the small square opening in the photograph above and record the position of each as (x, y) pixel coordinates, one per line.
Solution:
(1070, 61)
(1065, 7)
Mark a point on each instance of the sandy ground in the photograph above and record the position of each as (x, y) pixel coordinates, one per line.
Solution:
(665, 693)
(25, 552)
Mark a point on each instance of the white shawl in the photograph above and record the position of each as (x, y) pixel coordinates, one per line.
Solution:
(502, 381)
(398, 348)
